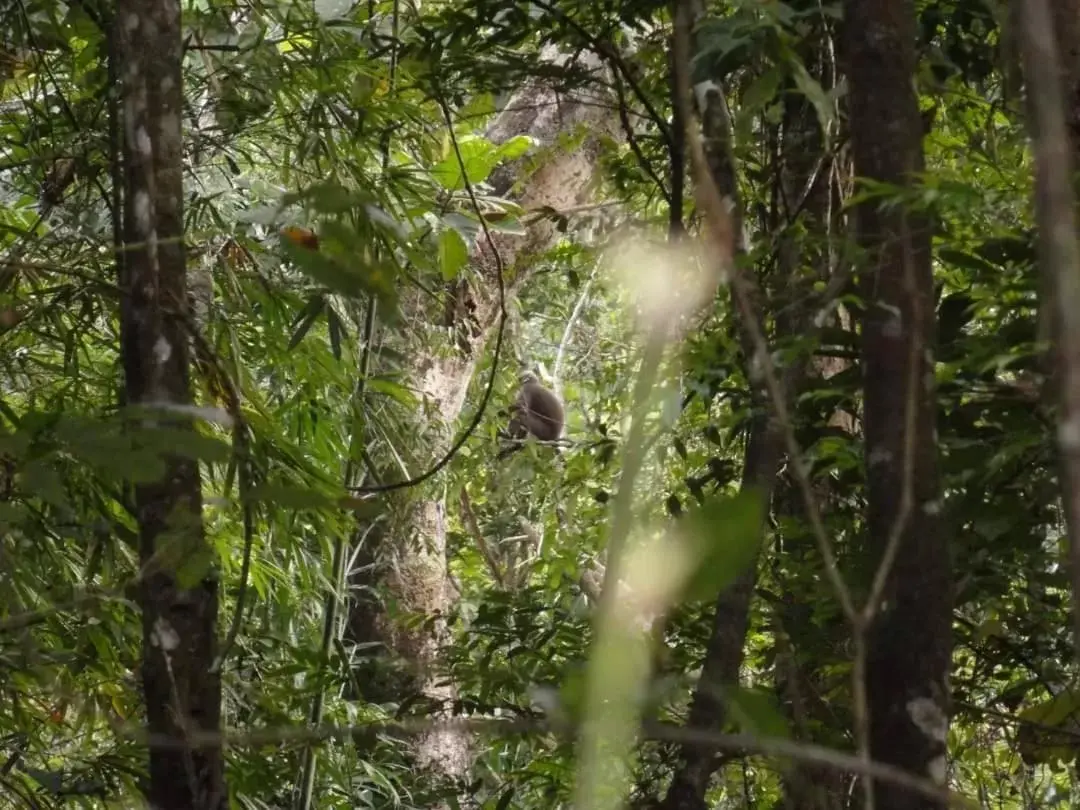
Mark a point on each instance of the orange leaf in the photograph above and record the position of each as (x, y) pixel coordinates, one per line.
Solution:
(304, 237)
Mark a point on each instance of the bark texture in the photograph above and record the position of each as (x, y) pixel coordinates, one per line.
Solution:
(179, 623)
(409, 565)
(910, 640)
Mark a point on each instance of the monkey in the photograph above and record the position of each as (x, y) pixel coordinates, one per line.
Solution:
(536, 412)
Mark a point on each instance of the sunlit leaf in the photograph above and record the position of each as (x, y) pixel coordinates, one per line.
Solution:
(453, 253)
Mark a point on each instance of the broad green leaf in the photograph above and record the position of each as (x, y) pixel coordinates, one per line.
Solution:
(12, 514)
(1048, 729)
(392, 389)
(480, 105)
(325, 271)
(478, 156)
(195, 566)
(724, 536)
(508, 225)
(756, 712)
(187, 443)
(514, 148)
(811, 88)
(762, 90)
(453, 253)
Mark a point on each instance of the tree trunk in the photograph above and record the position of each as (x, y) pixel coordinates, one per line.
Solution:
(910, 640)
(1066, 14)
(1058, 359)
(811, 177)
(179, 621)
(410, 565)
(764, 450)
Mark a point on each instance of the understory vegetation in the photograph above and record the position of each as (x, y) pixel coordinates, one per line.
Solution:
(804, 276)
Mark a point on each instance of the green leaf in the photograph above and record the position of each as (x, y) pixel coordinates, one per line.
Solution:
(514, 148)
(970, 261)
(399, 393)
(811, 88)
(477, 155)
(12, 514)
(186, 443)
(306, 319)
(761, 91)
(480, 105)
(195, 566)
(724, 536)
(121, 456)
(325, 270)
(40, 479)
(286, 496)
(756, 712)
(453, 253)
(1047, 728)
(330, 198)
(509, 225)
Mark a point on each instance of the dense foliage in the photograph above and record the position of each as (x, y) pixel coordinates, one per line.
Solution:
(331, 118)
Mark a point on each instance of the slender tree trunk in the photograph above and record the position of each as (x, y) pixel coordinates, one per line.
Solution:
(1059, 256)
(808, 176)
(179, 621)
(910, 640)
(1053, 260)
(1066, 16)
(764, 450)
(409, 563)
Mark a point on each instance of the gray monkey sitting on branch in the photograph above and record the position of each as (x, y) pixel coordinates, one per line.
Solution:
(536, 412)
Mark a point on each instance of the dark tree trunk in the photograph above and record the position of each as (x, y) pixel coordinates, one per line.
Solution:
(1066, 18)
(764, 451)
(910, 640)
(808, 177)
(1066, 14)
(179, 623)
(1058, 360)
(724, 655)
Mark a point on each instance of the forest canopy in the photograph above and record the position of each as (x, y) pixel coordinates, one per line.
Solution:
(514, 405)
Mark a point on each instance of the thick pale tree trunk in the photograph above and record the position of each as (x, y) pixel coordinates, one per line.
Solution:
(410, 563)
(909, 644)
(179, 623)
